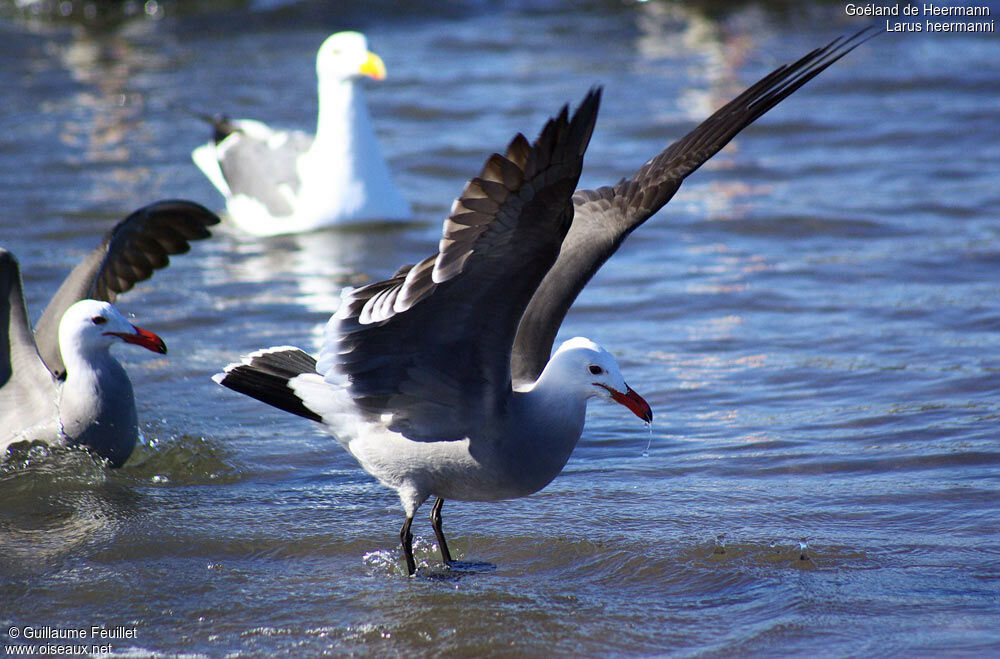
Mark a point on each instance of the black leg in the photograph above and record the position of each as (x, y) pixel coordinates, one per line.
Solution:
(436, 525)
(406, 539)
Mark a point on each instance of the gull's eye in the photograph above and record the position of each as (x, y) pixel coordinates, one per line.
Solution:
(595, 369)
(98, 320)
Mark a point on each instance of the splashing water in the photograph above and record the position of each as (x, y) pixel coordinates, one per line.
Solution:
(381, 562)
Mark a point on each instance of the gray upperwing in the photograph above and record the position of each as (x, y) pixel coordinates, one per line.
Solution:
(606, 216)
(264, 169)
(130, 252)
(28, 393)
(431, 346)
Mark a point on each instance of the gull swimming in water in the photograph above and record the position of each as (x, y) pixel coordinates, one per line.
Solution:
(95, 405)
(59, 384)
(278, 181)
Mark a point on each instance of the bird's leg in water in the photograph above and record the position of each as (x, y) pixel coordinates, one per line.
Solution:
(406, 539)
(436, 525)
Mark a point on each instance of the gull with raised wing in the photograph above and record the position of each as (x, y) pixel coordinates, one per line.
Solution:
(439, 380)
(59, 384)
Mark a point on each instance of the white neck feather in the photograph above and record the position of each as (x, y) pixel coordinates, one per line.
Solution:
(550, 413)
(345, 172)
(79, 355)
(89, 368)
(343, 117)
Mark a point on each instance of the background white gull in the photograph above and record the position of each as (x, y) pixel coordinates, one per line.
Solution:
(278, 181)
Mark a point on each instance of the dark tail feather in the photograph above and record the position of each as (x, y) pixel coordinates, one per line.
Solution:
(264, 375)
(222, 125)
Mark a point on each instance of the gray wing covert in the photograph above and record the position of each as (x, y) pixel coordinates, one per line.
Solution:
(27, 391)
(264, 169)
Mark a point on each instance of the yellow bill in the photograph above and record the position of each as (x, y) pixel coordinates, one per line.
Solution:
(373, 67)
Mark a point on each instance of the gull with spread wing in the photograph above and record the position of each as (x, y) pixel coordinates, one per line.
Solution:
(59, 384)
(439, 380)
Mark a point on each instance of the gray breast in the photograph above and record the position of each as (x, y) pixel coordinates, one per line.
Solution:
(102, 415)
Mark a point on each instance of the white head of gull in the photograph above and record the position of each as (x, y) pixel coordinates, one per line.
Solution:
(59, 384)
(439, 380)
(278, 181)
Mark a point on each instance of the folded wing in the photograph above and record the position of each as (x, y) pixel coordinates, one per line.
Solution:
(264, 166)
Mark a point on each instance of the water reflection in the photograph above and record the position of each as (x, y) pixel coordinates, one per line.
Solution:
(709, 51)
(57, 500)
(317, 266)
(98, 14)
(107, 125)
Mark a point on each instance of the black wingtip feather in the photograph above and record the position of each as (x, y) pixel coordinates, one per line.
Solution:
(266, 378)
(585, 117)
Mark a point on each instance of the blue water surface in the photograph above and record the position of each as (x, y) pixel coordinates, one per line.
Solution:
(815, 320)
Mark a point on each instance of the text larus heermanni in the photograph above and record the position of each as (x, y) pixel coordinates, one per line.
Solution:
(279, 182)
(59, 384)
(438, 380)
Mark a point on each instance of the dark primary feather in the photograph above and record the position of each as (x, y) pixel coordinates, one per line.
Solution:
(222, 127)
(432, 344)
(130, 252)
(266, 379)
(606, 216)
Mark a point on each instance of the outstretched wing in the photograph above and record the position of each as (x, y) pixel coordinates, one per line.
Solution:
(129, 253)
(27, 391)
(606, 216)
(431, 346)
